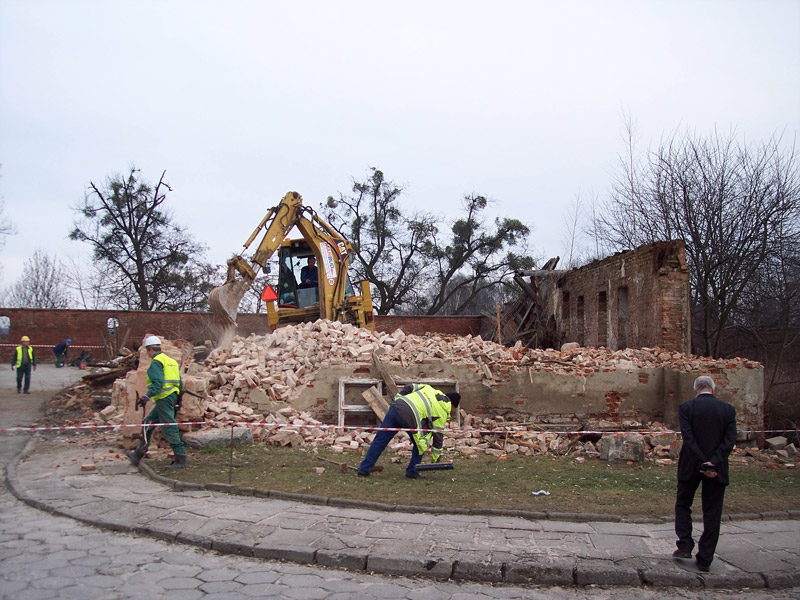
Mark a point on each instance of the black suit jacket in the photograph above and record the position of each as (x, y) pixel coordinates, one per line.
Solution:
(708, 428)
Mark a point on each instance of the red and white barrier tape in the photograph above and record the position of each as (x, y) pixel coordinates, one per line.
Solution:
(510, 430)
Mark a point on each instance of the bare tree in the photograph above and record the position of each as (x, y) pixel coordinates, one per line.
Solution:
(148, 261)
(41, 284)
(733, 203)
(7, 228)
(579, 232)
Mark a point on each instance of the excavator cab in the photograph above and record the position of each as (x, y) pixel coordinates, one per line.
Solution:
(292, 291)
(295, 301)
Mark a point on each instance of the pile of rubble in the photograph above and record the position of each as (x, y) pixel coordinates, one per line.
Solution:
(276, 367)
(281, 363)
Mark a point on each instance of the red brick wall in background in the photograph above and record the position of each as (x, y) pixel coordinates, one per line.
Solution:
(89, 329)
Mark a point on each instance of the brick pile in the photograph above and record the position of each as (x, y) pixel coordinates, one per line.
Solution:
(255, 380)
(280, 364)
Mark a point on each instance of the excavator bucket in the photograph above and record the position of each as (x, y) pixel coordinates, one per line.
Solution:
(224, 300)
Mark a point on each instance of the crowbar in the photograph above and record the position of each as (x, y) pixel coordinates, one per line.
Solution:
(344, 466)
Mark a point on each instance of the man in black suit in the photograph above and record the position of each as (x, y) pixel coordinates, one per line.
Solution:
(708, 428)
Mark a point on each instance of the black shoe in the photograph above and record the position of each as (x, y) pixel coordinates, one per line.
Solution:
(414, 475)
(135, 455)
(26, 392)
(18, 391)
(178, 463)
(682, 554)
(362, 474)
(702, 566)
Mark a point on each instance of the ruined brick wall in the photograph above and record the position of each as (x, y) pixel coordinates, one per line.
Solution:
(633, 299)
(103, 332)
(468, 325)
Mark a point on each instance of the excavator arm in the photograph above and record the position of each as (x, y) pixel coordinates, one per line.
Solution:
(279, 220)
(330, 248)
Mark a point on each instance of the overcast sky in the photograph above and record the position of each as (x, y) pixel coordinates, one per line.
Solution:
(242, 101)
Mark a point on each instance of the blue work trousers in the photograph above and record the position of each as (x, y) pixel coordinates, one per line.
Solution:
(392, 420)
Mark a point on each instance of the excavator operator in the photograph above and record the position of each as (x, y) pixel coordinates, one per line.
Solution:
(308, 274)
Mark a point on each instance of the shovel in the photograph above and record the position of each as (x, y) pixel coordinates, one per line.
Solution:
(435, 467)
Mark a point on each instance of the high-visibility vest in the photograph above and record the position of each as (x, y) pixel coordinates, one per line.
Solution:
(172, 377)
(425, 405)
(18, 360)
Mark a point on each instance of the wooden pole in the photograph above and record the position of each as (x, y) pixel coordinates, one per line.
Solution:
(499, 336)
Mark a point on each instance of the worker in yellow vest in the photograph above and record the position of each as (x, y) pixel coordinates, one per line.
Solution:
(164, 387)
(419, 407)
(23, 360)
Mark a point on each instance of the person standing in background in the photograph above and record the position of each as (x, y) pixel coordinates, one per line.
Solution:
(23, 360)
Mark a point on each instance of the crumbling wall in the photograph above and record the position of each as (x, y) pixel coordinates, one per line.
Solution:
(302, 366)
(633, 299)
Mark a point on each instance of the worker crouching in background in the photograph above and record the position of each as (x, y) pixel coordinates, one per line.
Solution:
(415, 407)
(60, 352)
(163, 387)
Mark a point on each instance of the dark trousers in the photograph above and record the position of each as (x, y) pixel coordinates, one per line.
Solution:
(24, 371)
(392, 420)
(712, 495)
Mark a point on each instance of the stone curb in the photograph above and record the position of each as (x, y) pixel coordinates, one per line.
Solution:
(540, 571)
(144, 468)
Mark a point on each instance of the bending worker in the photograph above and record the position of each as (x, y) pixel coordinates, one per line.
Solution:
(415, 407)
(60, 352)
(164, 387)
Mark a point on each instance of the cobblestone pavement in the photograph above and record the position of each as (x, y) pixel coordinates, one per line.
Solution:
(47, 556)
(43, 557)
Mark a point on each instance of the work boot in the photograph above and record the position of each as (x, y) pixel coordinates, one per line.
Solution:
(136, 455)
(178, 463)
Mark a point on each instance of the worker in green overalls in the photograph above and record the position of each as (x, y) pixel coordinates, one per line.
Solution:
(164, 387)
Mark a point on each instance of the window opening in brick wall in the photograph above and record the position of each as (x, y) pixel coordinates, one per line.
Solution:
(5, 325)
(602, 316)
(565, 332)
(622, 318)
(581, 331)
(113, 325)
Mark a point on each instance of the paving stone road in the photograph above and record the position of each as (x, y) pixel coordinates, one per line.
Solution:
(47, 556)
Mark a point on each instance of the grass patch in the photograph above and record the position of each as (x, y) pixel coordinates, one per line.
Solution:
(488, 482)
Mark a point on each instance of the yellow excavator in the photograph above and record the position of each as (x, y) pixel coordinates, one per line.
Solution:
(331, 297)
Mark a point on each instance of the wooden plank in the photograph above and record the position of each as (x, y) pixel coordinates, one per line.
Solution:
(383, 372)
(376, 402)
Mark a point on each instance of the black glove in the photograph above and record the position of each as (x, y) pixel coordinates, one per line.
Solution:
(142, 402)
(178, 402)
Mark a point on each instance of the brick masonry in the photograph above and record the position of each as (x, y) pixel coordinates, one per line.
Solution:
(103, 332)
(633, 299)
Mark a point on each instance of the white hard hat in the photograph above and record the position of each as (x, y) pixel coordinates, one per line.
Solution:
(152, 341)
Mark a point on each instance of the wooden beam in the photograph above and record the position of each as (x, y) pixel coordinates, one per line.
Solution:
(376, 401)
(383, 373)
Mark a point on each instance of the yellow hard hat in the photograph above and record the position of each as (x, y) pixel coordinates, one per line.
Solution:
(25, 338)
